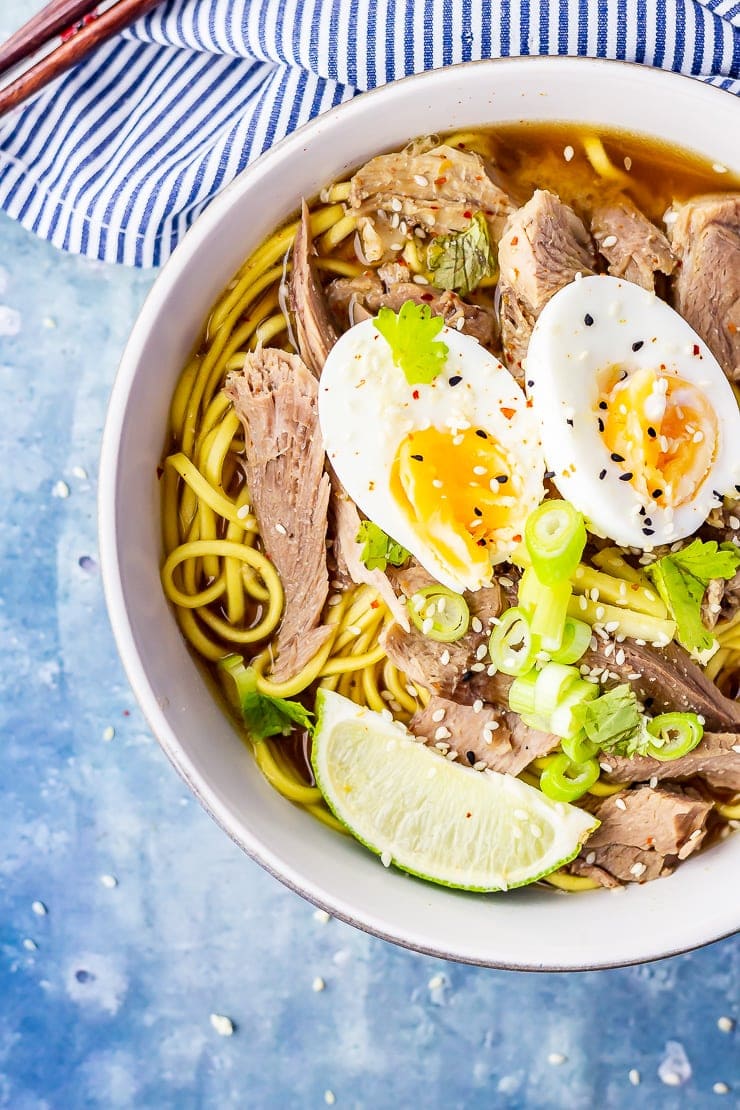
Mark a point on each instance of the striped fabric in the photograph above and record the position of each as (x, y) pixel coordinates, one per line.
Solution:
(119, 158)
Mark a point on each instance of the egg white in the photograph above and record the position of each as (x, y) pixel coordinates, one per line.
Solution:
(367, 407)
(595, 323)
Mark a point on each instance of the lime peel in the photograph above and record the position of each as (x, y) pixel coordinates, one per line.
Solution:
(478, 831)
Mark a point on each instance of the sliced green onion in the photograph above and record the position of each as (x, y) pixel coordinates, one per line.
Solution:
(522, 694)
(579, 748)
(555, 535)
(439, 613)
(576, 638)
(565, 781)
(235, 678)
(677, 733)
(567, 718)
(553, 682)
(512, 646)
(547, 607)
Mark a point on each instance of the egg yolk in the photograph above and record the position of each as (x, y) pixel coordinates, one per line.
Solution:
(662, 431)
(456, 491)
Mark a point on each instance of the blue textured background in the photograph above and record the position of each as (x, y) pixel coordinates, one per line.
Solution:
(155, 920)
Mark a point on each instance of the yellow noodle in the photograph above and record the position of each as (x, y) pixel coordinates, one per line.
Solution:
(563, 881)
(606, 789)
(207, 493)
(287, 785)
(339, 191)
(331, 239)
(327, 818)
(393, 680)
(729, 812)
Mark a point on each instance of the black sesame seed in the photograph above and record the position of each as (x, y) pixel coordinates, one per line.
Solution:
(470, 756)
(636, 346)
(656, 494)
(737, 488)
(603, 405)
(467, 675)
(502, 479)
(623, 375)
(649, 702)
(626, 477)
(549, 473)
(481, 433)
(648, 520)
(477, 511)
(588, 319)
(648, 531)
(718, 495)
(419, 458)
(602, 475)
(569, 422)
(652, 432)
(530, 385)
(601, 425)
(481, 543)
(616, 458)
(642, 510)
(455, 379)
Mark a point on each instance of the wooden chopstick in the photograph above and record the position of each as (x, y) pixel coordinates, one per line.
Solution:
(74, 50)
(55, 18)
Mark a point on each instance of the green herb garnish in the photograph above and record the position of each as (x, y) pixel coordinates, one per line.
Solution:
(379, 549)
(410, 334)
(263, 715)
(614, 722)
(681, 579)
(461, 260)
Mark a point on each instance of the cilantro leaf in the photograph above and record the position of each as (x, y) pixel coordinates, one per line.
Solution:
(461, 260)
(410, 334)
(379, 549)
(681, 579)
(263, 715)
(615, 723)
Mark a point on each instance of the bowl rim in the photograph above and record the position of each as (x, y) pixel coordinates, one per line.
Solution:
(108, 530)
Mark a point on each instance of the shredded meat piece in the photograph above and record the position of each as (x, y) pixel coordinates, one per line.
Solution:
(670, 680)
(345, 526)
(706, 238)
(275, 397)
(508, 746)
(643, 834)
(543, 247)
(314, 330)
(716, 760)
(356, 299)
(437, 190)
(635, 248)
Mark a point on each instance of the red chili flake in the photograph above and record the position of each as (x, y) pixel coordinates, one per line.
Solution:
(415, 394)
(508, 413)
(514, 240)
(374, 604)
(732, 328)
(517, 538)
(127, 712)
(468, 214)
(696, 348)
(468, 814)
(427, 296)
(440, 181)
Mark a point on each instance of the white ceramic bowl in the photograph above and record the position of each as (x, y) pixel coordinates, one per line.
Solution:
(533, 928)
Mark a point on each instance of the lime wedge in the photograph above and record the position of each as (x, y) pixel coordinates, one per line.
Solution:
(432, 817)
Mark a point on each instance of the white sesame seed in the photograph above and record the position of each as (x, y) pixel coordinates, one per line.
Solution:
(609, 241)
(321, 916)
(438, 715)
(60, 489)
(568, 153)
(721, 1089)
(481, 651)
(109, 881)
(719, 168)
(479, 470)
(223, 1025)
(39, 909)
(653, 782)
(242, 511)
(477, 705)
(30, 945)
(556, 1058)
(385, 858)
(695, 834)
(281, 529)
(443, 747)
(451, 756)
(638, 869)
(591, 858)
(427, 626)
(620, 804)
(480, 765)
(606, 768)
(108, 733)
(628, 163)
(437, 483)
(334, 600)
(396, 204)
(318, 984)
(444, 657)
(476, 624)
(725, 1024)
(386, 714)
(477, 667)
(442, 733)
(79, 472)
(421, 181)
(329, 1098)
(634, 1077)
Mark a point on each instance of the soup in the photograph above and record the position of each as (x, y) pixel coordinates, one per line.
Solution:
(457, 449)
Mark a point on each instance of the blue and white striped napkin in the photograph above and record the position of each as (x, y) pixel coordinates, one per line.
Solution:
(119, 158)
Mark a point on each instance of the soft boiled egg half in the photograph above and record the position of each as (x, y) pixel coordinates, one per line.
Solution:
(449, 469)
(640, 426)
